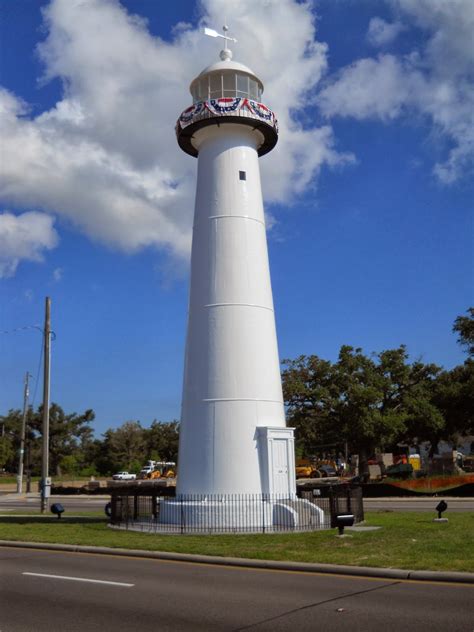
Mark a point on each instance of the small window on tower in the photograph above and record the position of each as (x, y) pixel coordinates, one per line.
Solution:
(242, 175)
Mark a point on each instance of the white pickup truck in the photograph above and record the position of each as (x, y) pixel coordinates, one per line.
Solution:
(124, 476)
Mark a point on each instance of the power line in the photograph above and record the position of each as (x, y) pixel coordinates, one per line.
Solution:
(37, 375)
(11, 331)
(39, 328)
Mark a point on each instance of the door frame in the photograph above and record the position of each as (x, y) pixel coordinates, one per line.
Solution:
(266, 436)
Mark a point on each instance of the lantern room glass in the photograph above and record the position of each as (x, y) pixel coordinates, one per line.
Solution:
(226, 84)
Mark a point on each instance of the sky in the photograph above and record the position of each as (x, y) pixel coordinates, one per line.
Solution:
(368, 193)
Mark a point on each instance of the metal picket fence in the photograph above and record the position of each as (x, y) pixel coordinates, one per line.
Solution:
(148, 511)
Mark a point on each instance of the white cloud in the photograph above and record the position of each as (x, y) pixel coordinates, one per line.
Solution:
(449, 51)
(382, 33)
(105, 157)
(24, 238)
(434, 82)
(378, 88)
(57, 274)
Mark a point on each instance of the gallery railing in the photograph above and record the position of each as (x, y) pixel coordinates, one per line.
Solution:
(148, 511)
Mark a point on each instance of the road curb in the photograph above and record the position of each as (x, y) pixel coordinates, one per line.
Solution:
(334, 569)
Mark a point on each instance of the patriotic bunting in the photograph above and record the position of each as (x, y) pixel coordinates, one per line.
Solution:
(223, 106)
(226, 106)
(260, 110)
(188, 115)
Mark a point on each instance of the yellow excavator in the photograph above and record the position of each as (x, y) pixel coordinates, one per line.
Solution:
(163, 469)
(305, 468)
(315, 468)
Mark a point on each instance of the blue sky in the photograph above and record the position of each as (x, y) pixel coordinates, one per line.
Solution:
(369, 190)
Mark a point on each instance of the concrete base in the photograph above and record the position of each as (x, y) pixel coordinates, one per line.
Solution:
(231, 513)
(440, 520)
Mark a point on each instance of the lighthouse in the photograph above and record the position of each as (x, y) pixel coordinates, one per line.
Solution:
(233, 441)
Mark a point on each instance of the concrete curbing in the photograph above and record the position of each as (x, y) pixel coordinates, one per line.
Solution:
(334, 569)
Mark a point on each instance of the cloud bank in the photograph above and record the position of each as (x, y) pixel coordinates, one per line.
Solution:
(434, 81)
(105, 159)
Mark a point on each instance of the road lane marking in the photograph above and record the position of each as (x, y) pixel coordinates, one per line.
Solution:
(80, 579)
(340, 575)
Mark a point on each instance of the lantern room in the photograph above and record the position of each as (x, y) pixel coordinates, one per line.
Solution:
(226, 79)
(227, 92)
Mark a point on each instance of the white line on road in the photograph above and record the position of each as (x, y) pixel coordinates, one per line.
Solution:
(80, 579)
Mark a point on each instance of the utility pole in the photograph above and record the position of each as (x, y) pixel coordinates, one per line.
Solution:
(26, 393)
(28, 464)
(45, 480)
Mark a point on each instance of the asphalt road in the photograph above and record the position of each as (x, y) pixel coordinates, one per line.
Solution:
(170, 596)
(10, 503)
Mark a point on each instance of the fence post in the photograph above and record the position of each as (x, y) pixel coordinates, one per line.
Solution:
(360, 497)
(332, 507)
(113, 509)
(127, 509)
(135, 505)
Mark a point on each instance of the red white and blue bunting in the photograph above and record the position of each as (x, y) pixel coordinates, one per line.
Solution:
(188, 115)
(227, 106)
(260, 110)
(223, 106)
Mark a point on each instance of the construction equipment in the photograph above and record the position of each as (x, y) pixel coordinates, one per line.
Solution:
(306, 469)
(161, 469)
(315, 468)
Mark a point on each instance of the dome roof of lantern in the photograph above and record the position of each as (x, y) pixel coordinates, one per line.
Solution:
(228, 64)
(225, 65)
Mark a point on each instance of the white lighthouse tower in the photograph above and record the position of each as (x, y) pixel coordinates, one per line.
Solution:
(233, 437)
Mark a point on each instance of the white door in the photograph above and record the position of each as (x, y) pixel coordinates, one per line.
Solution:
(280, 466)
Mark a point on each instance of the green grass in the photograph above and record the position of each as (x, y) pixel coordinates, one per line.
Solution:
(406, 540)
(11, 480)
(57, 480)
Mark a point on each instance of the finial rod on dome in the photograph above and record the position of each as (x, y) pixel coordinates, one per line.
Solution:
(225, 54)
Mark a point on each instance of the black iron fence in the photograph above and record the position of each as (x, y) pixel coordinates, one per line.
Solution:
(149, 511)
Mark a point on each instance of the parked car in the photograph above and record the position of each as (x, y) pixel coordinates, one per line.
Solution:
(124, 476)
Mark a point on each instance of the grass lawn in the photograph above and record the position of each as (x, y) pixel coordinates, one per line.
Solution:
(406, 540)
(57, 480)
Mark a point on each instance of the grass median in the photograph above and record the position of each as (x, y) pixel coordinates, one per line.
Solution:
(405, 540)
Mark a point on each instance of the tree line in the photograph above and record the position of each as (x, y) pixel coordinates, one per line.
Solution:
(74, 450)
(377, 401)
(362, 402)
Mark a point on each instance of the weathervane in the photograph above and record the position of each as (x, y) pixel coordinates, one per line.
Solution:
(225, 54)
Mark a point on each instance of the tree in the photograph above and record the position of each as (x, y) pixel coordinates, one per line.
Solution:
(310, 394)
(368, 402)
(454, 396)
(464, 327)
(66, 434)
(69, 465)
(125, 446)
(162, 440)
(6, 452)
(454, 389)
(10, 429)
